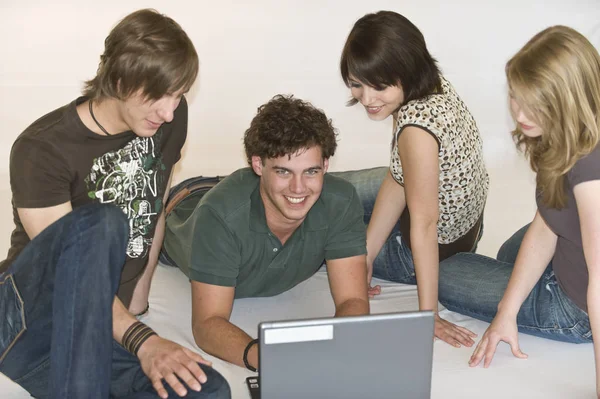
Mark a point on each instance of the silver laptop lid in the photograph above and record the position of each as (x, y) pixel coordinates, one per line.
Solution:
(377, 356)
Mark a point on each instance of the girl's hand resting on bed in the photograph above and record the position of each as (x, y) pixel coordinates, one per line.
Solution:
(502, 329)
(452, 334)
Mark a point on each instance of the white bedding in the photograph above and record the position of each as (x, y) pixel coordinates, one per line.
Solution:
(553, 370)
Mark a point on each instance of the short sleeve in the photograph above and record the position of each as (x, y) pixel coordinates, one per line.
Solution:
(39, 174)
(215, 254)
(347, 234)
(586, 169)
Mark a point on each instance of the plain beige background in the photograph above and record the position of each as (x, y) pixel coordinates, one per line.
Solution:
(252, 50)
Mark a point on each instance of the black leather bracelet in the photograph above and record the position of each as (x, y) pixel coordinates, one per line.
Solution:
(248, 365)
(143, 312)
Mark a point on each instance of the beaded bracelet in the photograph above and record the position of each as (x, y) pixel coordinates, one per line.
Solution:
(143, 312)
(135, 336)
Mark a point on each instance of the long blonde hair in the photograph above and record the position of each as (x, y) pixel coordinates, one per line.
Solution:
(556, 76)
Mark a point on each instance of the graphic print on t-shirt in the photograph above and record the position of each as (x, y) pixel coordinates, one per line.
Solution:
(129, 178)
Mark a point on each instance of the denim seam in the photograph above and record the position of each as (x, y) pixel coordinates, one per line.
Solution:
(11, 281)
(551, 286)
(42, 365)
(565, 303)
(72, 310)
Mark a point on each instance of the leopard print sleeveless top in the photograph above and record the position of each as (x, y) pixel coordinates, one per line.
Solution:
(464, 181)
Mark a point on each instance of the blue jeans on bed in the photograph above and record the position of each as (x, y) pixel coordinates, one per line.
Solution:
(394, 262)
(473, 285)
(56, 313)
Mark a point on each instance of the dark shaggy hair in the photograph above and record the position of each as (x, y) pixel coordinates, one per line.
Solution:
(286, 125)
(386, 49)
(148, 51)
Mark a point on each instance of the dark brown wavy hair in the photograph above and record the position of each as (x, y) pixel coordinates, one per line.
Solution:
(148, 51)
(286, 125)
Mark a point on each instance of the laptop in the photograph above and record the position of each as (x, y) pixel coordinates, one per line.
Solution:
(376, 356)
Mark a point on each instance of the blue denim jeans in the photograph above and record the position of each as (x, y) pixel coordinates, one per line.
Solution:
(56, 313)
(394, 262)
(473, 285)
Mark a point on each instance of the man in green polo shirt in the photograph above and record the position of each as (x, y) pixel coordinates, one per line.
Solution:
(266, 228)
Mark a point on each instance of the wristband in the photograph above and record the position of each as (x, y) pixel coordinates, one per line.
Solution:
(135, 336)
(248, 365)
(143, 312)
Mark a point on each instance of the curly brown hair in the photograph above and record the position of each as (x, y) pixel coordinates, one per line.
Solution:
(286, 125)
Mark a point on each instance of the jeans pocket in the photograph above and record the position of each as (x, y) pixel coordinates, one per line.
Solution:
(583, 329)
(569, 317)
(405, 255)
(13, 312)
(401, 267)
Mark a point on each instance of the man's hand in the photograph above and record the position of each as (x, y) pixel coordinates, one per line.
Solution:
(501, 329)
(452, 334)
(164, 359)
(372, 290)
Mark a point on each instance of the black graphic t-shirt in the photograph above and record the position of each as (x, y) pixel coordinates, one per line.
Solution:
(58, 159)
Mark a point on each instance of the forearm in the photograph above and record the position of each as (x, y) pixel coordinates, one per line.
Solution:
(352, 307)
(220, 338)
(142, 289)
(122, 320)
(389, 205)
(139, 300)
(424, 245)
(593, 300)
(536, 252)
(157, 242)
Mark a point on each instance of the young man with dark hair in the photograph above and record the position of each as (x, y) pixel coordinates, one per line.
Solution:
(266, 228)
(89, 181)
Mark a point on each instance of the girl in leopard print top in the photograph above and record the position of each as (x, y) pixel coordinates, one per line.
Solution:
(437, 182)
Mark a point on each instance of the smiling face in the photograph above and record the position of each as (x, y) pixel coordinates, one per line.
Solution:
(290, 185)
(524, 119)
(379, 104)
(143, 116)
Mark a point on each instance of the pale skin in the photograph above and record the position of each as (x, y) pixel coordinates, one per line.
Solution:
(160, 359)
(212, 304)
(418, 151)
(536, 252)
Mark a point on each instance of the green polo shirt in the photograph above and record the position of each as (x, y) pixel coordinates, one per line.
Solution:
(223, 238)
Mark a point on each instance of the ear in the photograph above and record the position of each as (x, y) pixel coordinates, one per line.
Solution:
(257, 165)
(325, 165)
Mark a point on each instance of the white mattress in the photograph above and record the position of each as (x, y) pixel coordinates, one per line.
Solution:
(553, 370)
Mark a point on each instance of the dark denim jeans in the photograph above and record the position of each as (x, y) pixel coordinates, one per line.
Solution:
(473, 285)
(56, 313)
